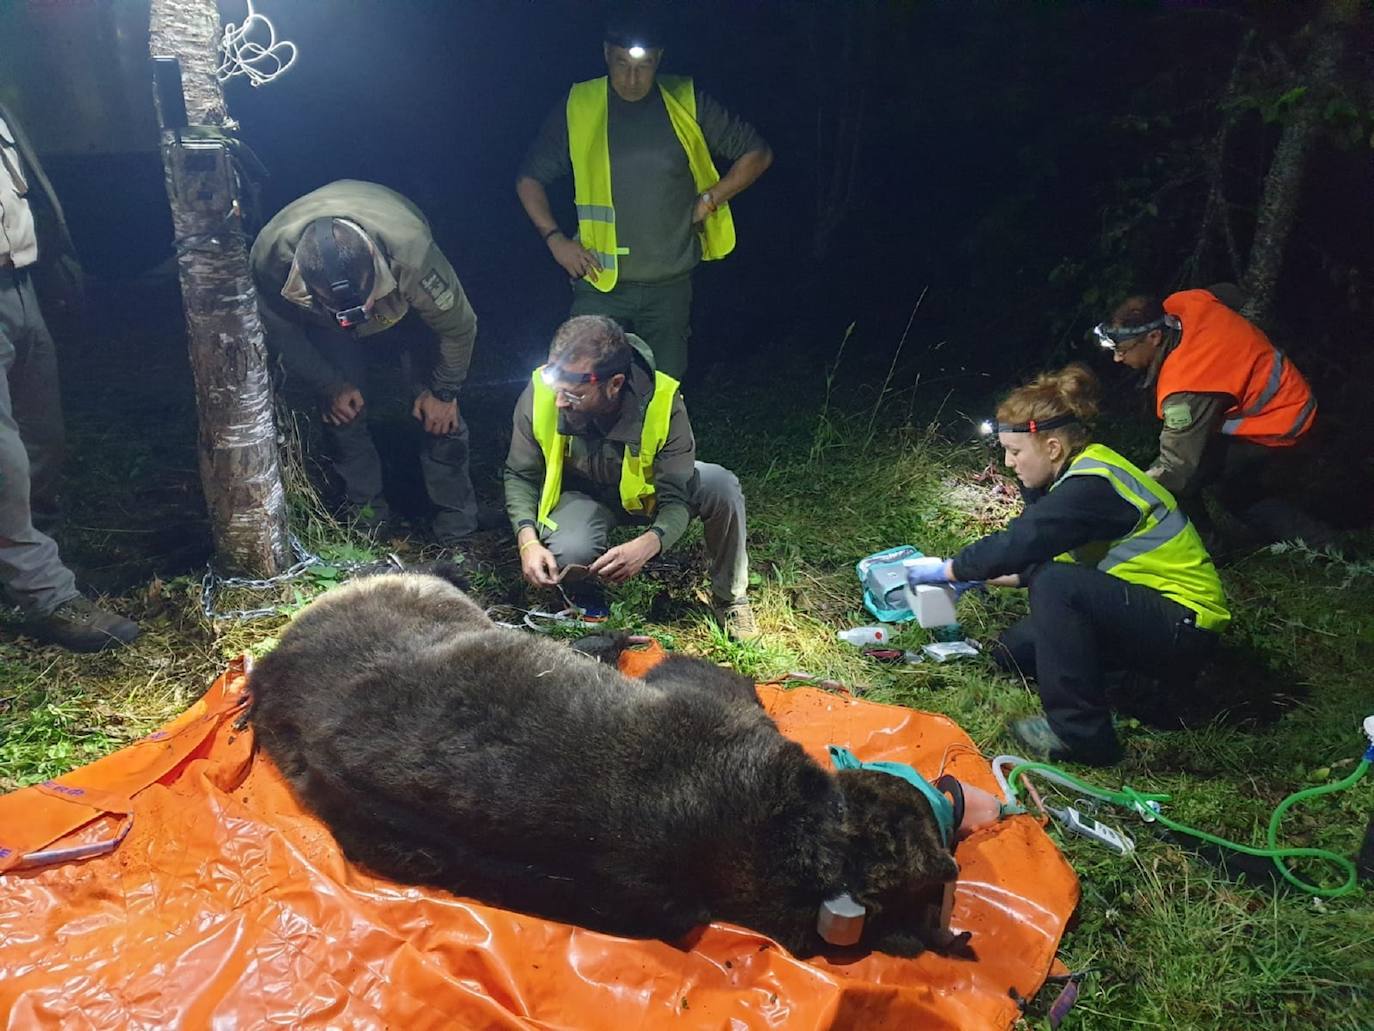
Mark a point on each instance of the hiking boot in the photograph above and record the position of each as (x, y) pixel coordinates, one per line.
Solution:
(1038, 738)
(80, 625)
(736, 618)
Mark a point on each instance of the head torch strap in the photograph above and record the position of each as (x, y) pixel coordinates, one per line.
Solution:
(551, 373)
(1037, 425)
(1111, 336)
(344, 294)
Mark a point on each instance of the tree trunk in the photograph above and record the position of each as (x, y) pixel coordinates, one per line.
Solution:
(239, 467)
(1278, 208)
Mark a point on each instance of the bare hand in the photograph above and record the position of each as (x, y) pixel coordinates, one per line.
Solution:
(439, 417)
(701, 211)
(625, 560)
(577, 261)
(344, 407)
(538, 566)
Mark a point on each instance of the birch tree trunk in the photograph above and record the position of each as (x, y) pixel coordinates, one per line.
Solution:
(1278, 208)
(239, 466)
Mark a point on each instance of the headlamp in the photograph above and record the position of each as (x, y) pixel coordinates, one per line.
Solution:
(1033, 425)
(553, 374)
(636, 51)
(1112, 337)
(347, 318)
(346, 302)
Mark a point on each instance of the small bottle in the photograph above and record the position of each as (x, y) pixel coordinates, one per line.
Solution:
(861, 635)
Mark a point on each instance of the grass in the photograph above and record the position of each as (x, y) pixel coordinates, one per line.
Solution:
(1167, 939)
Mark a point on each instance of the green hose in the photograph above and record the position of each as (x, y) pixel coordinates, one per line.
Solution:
(1139, 802)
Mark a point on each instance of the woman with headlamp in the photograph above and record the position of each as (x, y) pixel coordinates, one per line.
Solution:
(1118, 577)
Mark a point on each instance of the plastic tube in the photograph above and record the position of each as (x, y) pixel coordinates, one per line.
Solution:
(1141, 803)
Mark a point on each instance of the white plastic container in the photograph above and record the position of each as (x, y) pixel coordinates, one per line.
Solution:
(933, 604)
(862, 635)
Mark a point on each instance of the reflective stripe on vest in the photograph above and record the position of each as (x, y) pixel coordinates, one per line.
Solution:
(1221, 352)
(636, 470)
(589, 150)
(1233, 425)
(1163, 551)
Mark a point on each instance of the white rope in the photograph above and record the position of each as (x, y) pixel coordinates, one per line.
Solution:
(260, 62)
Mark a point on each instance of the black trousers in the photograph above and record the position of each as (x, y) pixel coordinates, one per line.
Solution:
(1255, 484)
(1084, 624)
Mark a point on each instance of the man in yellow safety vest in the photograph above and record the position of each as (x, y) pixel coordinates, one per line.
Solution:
(637, 241)
(600, 438)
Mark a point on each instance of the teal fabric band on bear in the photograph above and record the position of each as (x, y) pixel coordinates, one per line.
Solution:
(940, 804)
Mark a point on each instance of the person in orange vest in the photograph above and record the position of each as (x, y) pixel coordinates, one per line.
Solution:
(650, 201)
(1234, 407)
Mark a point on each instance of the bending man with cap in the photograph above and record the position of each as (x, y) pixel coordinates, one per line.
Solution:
(600, 438)
(336, 268)
(1233, 406)
(1118, 577)
(650, 202)
(32, 573)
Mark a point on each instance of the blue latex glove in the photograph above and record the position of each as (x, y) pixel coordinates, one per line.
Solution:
(925, 570)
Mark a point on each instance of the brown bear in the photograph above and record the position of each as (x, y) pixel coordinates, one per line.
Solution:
(444, 750)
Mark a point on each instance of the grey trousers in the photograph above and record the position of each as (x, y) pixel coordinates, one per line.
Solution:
(584, 525)
(31, 445)
(443, 460)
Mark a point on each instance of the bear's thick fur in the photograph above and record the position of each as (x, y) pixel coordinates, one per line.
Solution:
(444, 750)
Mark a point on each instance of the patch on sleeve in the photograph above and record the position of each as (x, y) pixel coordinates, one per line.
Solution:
(438, 289)
(1177, 415)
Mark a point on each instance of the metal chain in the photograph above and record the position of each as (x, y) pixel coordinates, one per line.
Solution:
(212, 583)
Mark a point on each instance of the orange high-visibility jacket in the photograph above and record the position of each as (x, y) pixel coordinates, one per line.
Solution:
(1221, 352)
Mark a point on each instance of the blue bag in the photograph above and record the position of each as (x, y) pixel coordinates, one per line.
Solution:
(884, 579)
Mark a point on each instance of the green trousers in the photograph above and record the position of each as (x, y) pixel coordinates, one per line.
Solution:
(659, 313)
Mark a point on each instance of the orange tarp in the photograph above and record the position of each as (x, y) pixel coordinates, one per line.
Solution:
(226, 904)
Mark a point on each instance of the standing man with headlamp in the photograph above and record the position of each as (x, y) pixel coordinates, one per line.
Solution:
(334, 269)
(650, 202)
(1233, 405)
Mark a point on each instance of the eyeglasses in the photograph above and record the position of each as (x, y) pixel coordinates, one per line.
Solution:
(569, 398)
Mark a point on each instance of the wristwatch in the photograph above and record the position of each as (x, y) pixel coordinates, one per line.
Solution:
(444, 394)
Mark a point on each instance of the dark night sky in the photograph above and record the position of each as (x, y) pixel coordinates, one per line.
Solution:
(993, 139)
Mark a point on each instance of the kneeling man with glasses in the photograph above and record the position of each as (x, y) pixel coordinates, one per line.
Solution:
(602, 439)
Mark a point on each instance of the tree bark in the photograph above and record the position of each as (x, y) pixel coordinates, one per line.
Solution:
(239, 466)
(1278, 207)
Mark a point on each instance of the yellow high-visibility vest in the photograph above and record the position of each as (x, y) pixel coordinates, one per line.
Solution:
(1163, 551)
(589, 149)
(636, 471)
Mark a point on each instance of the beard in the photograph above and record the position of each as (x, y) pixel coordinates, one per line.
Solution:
(576, 424)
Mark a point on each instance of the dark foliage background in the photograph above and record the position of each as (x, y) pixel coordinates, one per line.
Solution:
(1020, 164)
